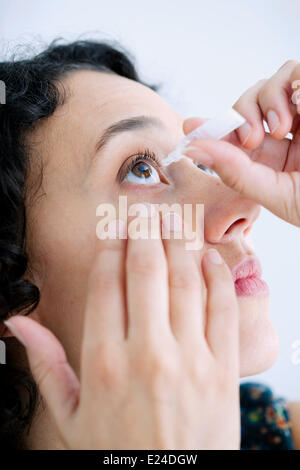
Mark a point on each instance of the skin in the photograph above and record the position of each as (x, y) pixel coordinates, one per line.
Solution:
(63, 248)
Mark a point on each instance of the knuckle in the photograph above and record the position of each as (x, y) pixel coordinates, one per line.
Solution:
(105, 274)
(290, 63)
(242, 102)
(296, 72)
(198, 373)
(163, 371)
(267, 91)
(235, 181)
(157, 367)
(247, 96)
(106, 279)
(183, 279)
(107, 366)
(238, 180)
(202, 371)
(144, 263)
(260, 83)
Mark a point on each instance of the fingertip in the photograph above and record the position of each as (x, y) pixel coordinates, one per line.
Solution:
(215, 268)
(35, 337)
(284, 126)
(251, 136)
(244, 133)
(213, 257)
(192, 123)
(21, 327)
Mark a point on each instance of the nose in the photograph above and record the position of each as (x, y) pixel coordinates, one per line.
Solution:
(229, 218)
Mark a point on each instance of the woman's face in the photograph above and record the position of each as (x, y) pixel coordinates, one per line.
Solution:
(61, 230)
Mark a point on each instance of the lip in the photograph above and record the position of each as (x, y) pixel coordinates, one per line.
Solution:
(247, 278)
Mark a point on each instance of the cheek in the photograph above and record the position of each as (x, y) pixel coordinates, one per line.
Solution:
(62, 243)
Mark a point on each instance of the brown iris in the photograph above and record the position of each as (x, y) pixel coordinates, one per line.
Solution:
(142, 170)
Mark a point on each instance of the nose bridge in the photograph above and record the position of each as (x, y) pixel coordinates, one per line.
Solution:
(228, 216)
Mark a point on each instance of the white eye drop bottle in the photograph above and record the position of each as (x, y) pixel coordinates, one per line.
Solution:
(215, 128)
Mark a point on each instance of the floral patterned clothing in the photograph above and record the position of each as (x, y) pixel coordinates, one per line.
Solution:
(264, 418)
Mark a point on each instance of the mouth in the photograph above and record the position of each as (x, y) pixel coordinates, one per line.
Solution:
(247, 278)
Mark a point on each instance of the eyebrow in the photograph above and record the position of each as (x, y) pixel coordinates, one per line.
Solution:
(125, 125)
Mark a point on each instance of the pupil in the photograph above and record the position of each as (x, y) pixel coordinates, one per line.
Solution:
(142, 169)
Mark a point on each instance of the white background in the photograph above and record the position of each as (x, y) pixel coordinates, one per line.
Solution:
(206, 53)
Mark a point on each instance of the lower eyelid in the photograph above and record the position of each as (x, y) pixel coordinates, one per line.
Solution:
(127, 186)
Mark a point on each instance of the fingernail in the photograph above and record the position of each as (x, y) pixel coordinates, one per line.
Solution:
(295, 98)
(172, 222)
(190, 147)
(199, 155)
(244, 132)
(15, 332)
(214, 256)
(272, 120)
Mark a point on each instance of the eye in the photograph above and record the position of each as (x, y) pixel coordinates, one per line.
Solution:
(206, 170)
(142, 173)
(142, 168)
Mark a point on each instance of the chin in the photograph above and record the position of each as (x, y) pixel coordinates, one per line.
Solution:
(259, 344)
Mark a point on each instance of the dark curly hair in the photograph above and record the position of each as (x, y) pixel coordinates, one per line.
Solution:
(32, 93)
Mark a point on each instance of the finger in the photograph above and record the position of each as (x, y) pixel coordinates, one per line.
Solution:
(147, 281)
(192, 123)
(185, 300)
(264, 153)
(274, 100)
(222, 309)
(105, 319)
(52, 373)
(277, 191)
(252, 132)
(271, 152)
(295, 85)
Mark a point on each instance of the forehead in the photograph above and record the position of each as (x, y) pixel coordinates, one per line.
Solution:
(108, 96)
(94, 101)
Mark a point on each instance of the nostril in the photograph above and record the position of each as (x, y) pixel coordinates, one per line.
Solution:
(237, 224)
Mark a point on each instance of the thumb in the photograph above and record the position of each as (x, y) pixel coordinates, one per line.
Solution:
(54, 376)
(275, 190)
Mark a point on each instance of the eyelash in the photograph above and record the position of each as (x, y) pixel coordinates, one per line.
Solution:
(141, 155)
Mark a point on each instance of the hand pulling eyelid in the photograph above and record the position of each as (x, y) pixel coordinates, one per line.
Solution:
(215, 128)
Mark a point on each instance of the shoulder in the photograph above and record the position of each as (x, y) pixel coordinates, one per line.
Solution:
(265, 420)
